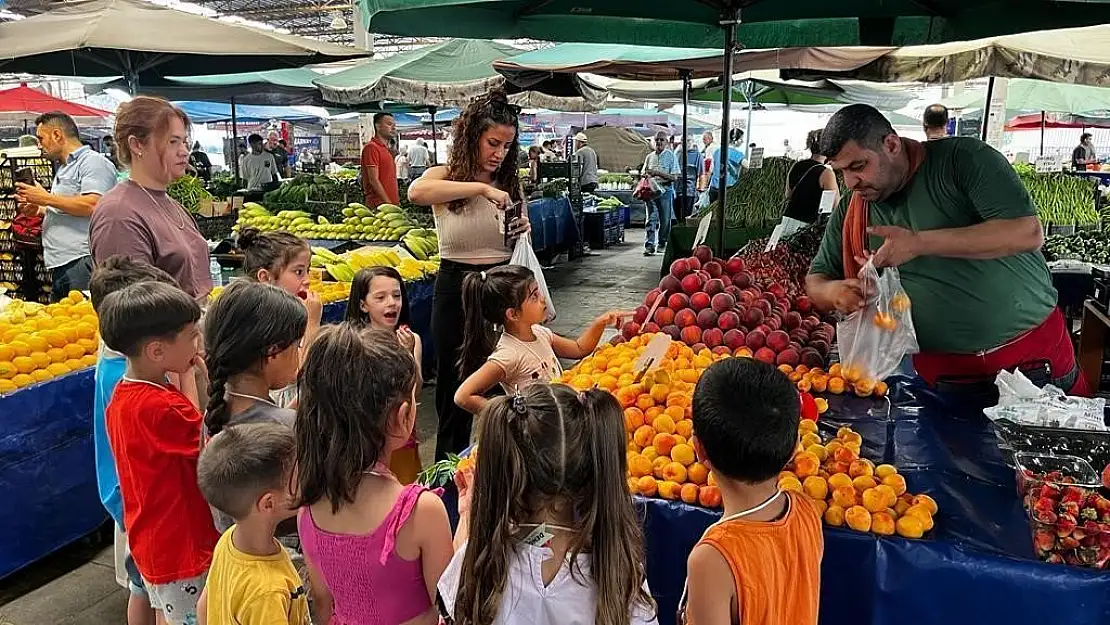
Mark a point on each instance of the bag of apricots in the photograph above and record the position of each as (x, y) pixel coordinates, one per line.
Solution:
(875, 339)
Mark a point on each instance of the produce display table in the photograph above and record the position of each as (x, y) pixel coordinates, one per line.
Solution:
(47, 473)
(681, 242)
(553, 227)
(978, 566)
(46, 469)
(637, 214)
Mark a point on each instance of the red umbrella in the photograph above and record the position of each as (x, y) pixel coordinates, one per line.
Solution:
(1033, 121)
(22, 103)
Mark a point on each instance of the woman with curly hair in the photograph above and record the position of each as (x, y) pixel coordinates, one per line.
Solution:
(470, 197)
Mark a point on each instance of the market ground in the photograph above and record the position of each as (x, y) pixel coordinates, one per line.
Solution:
(76, 586)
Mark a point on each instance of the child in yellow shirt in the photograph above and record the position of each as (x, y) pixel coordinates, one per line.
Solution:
(244, 471)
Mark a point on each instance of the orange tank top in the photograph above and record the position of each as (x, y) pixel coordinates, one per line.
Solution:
(776, 566)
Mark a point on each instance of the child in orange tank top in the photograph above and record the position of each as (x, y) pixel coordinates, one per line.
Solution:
(764, 555)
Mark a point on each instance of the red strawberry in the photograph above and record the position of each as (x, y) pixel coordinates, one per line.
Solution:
(1070, 508)
(1100, 503)
(1047, 517)
(1068, 542)
(1072, 493)
(1054, 558)
(1044, 541)
(1051, 491)
(1044, 504)
(1065, 524)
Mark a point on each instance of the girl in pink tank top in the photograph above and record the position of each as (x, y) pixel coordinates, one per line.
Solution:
(374, 548)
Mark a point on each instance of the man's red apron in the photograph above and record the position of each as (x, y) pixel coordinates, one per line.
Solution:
(1049, 342)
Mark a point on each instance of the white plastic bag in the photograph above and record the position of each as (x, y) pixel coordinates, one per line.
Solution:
(525, 256)
(1020, 401)
(874, 339)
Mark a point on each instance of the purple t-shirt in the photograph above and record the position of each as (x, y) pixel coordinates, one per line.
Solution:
(148, 225)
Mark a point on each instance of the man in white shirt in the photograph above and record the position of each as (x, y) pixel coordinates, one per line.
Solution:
(257, 168)
(587, 157)
(419, 159)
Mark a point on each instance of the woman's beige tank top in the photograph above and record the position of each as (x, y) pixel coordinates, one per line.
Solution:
(473, 235)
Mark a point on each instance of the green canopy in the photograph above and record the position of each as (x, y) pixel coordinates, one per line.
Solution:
(618, 61)
(697, 23)
(1037, 95)
(451, 73)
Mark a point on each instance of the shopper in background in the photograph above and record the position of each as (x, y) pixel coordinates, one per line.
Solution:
(935, 121)
(419, 159)
(139, 220)
(956, 221)
(82, 178)
(1084, 153)
(807, 181)
(706, 161)
(587, 158)
(401, 164)
(277, 148)
(549, 154)
(258, 169)
(535, 152)
(684, 200)
(662, 165)
(200, 162)
(379, 173)
(469, 197)
(789, 151)
(735, 162)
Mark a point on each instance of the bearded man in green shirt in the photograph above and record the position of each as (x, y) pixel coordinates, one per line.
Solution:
(955, 220)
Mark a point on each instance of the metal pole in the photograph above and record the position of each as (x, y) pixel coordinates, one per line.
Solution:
(987, 109)
(234, 140)
(435, 137)
(729, 22)
(685, 139)
(1042, 134)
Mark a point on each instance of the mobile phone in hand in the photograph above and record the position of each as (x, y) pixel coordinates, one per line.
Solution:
(512, 213)
(26, 175)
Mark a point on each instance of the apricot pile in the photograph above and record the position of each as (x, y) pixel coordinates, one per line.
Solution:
(838, 380)
(657, 416)
(851, 491)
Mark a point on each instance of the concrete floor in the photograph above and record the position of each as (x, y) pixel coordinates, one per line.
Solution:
(76, 586)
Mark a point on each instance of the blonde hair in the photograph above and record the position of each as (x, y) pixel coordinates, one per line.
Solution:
(143, 117)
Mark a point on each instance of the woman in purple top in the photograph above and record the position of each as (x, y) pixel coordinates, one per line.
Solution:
(137, 218)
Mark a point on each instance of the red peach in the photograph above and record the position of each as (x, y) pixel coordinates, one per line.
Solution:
(640, 314)
(778, 340)
(713, 337)
(734, 339)
(678, 301)
(714, 286)
(728, 320)
(703, 253)
(755, 340)
(691, 335)
(734, 265)
(700, 301)
(685, 318)
(707, 319)
(630, 329)
(714, 268)
(670, 284)
(766, 355)
(692, 283)
(663, 316)
(722, 302)
(680, 268)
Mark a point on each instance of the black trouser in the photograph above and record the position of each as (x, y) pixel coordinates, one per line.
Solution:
(589, 188)
(72, 276)
(453, 432)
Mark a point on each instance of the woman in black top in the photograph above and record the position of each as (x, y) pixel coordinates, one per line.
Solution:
(807, 180)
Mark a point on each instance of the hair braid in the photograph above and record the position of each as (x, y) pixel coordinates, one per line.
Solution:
(217, 417)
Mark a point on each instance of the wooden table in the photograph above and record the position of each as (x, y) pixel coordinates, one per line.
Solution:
(1092, 343)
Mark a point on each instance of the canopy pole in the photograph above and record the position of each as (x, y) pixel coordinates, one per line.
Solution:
(435, 137)
(987, 110)
(1042, 133)
(234, 140)
(729, 23)
(685, 139)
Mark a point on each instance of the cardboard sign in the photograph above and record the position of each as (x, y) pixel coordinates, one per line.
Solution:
(755, 161)
(703, 229)
(653, 355)
(776, 236)
(828, 200)
(1047, 165)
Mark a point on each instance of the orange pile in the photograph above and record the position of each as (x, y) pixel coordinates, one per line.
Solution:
(661, 457)
(850, 490)
(838, 380)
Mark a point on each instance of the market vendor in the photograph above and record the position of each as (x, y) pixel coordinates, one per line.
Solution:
(955, 219)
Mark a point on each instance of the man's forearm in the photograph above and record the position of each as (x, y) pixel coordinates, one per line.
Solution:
(996, 238)
(818, 291)
(76, 205)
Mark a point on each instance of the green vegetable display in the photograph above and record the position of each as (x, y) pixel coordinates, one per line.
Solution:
(188, 191)
(759, 197)
(1061, 199)
(224, 185)
(1092, 246)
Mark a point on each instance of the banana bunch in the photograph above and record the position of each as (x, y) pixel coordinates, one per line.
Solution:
(411, 269)
(422, 243)
(372, 257)
(387, 223)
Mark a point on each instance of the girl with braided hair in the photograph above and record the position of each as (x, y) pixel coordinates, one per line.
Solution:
(470, 199)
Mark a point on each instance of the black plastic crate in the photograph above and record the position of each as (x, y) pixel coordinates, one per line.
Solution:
(9, 165)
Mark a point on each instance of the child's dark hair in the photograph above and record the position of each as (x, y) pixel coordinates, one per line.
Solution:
(550, 444)
(746, 417)
(117, 272)
(242, 462)
(272, 251)
(360, 288)
(350, 384)
(247, 323)
(486, 295)
(135, 315)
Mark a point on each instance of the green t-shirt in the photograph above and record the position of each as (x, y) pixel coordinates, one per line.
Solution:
(959, 305)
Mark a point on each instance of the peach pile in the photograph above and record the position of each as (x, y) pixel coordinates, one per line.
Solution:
(851, 491)
(661, 457)
(838, 380)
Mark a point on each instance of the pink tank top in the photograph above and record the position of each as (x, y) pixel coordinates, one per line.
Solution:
(369, 582)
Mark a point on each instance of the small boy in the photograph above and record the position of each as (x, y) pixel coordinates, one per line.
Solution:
(245, 472)
(154, 430)
(110, 276)
(761, 562)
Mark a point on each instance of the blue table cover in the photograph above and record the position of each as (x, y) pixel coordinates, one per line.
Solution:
(976, 567)
(47, 475)
(553, 226)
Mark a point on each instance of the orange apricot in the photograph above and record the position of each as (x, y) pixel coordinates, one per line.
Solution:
(697, 473)
(806, 464)
(644, 435)
(840, 480)
(896, 482)
(639, 466)
(806, 426)
(864, 482)
(674, 472)
(650, 453)
(844, 497)
(643, 402)
(926, 501)
(664, 424)
(834, 515)
(647, 486)
(844, 454)
(790, 483)
(684, 428)
(689, 493)
(810, 438)
(881, 389)
(860, 467)
(882, 523)
(816, 487)
(709, 496)
(664, 443)
(633, 418)
(818, 450)
(889, 496)
(884, 470)
(820, 505)
(669, 490)
(657, 466)
(922, 513)
(909, 527)
(858, 518)
(873, 500)
(683, 454)
(901, 506)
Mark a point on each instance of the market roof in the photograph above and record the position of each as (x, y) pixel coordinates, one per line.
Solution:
(1039, 95)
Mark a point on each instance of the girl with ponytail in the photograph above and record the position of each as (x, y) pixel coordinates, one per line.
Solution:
(547, 532)
(252, 334)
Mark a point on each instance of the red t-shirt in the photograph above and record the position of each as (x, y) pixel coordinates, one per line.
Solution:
(155, 436)
(377, 154)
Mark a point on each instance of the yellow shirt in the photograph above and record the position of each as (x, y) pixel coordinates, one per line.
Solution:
(245, 589)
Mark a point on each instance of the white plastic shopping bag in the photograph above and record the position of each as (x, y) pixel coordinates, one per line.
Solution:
(874, 339)
(525, 256)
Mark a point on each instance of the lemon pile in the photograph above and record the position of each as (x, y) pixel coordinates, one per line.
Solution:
(38, 343)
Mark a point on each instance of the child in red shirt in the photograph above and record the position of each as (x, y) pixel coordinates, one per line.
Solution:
(154, 431)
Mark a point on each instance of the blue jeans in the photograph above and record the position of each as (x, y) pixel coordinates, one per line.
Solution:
(72, 276)
(660, 213)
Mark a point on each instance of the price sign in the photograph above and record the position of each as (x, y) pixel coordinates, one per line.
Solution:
(776, 235)
(1047, 164)
(653, 355)
(703, 229)
(828, 199)
(755, 161)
